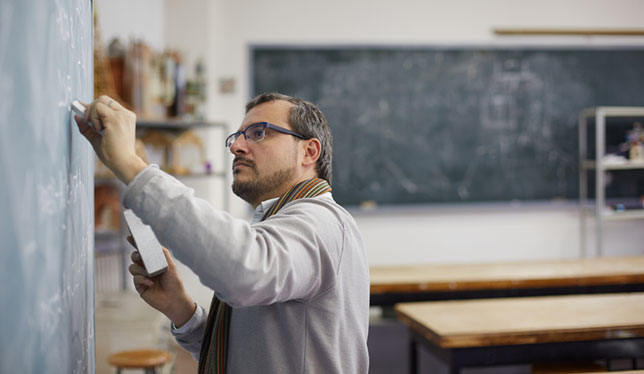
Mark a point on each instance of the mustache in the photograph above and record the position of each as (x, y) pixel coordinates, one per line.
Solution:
(248, 162)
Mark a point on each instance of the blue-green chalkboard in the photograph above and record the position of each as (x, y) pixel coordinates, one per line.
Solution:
(453, 124)
(46, 194)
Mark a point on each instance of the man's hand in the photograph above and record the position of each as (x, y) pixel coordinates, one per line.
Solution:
(115, 146)
(163, 292)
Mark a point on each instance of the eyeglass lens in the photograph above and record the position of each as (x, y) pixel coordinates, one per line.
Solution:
(255, 133)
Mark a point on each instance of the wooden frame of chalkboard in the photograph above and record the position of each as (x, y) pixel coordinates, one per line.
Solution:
(452, 124)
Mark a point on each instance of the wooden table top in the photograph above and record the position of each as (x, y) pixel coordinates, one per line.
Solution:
(493, 276)
(526, 320)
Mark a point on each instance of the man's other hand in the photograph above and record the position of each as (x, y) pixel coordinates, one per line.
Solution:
(163, 292)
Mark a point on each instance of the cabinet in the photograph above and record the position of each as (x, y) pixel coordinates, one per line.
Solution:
(111, 247)
(594, 125)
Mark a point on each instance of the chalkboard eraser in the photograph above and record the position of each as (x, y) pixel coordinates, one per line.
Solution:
(147, 244)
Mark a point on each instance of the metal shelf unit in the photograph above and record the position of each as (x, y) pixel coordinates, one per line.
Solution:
(600, 212)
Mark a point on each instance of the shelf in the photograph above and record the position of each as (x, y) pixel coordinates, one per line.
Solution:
(598, 120)
(613, 111)
(175, 124)
(630, 165)
(108, 241)
(625, 215)
(611, 215)
(106, 234)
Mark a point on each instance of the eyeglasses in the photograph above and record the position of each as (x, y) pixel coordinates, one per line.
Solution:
(257, 131)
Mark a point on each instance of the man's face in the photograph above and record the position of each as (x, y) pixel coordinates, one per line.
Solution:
(265, 169)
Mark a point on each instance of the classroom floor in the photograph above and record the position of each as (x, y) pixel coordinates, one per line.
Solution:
(124, 322)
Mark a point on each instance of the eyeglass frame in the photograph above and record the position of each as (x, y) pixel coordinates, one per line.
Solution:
(265, 126)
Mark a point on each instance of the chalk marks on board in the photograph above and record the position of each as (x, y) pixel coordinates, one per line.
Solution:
(439, 124)
(46, 257)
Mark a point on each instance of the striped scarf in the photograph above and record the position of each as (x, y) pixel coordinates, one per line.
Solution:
(214, 347)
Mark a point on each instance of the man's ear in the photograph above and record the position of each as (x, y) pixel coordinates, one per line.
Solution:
(312, 150)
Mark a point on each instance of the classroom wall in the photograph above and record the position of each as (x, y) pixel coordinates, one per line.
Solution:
(429, 234)
(132, 19)
(221, 32)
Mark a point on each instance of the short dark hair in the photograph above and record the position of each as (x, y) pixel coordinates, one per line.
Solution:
(307, 120)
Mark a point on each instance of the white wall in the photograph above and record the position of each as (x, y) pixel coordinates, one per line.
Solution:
(432, 233)
(128, 19)
(222, 31)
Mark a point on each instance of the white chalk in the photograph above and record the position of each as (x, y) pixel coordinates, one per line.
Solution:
(80, 109)
(147, 244)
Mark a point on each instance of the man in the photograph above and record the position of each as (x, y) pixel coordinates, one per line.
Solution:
(292, 287)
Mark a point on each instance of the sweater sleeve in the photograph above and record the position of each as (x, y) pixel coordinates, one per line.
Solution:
(293, 255)
(190, 335)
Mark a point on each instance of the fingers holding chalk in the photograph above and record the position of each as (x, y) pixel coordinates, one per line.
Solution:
(81, 111)
(85, 127)
(113, 136)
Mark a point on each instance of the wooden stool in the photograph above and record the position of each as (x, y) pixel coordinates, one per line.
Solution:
(146, 359)
(567, 367)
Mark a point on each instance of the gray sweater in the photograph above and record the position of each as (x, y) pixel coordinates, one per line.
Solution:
(298, 282)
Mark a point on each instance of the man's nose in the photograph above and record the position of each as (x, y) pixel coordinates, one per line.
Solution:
(240, 145)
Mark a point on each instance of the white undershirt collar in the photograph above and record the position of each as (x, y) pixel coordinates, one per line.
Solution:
(262, 208)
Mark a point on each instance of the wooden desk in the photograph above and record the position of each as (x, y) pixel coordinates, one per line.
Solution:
(466, 333)
(390, 285)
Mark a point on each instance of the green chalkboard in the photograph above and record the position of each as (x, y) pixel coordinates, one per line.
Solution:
(47, 189)
(467, 124)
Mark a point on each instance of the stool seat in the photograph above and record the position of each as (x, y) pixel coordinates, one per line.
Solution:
(146, 359)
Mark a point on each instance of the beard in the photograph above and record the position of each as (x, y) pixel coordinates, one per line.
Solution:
(251, 191)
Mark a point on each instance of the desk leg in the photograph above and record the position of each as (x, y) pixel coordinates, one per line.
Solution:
(413, 355)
